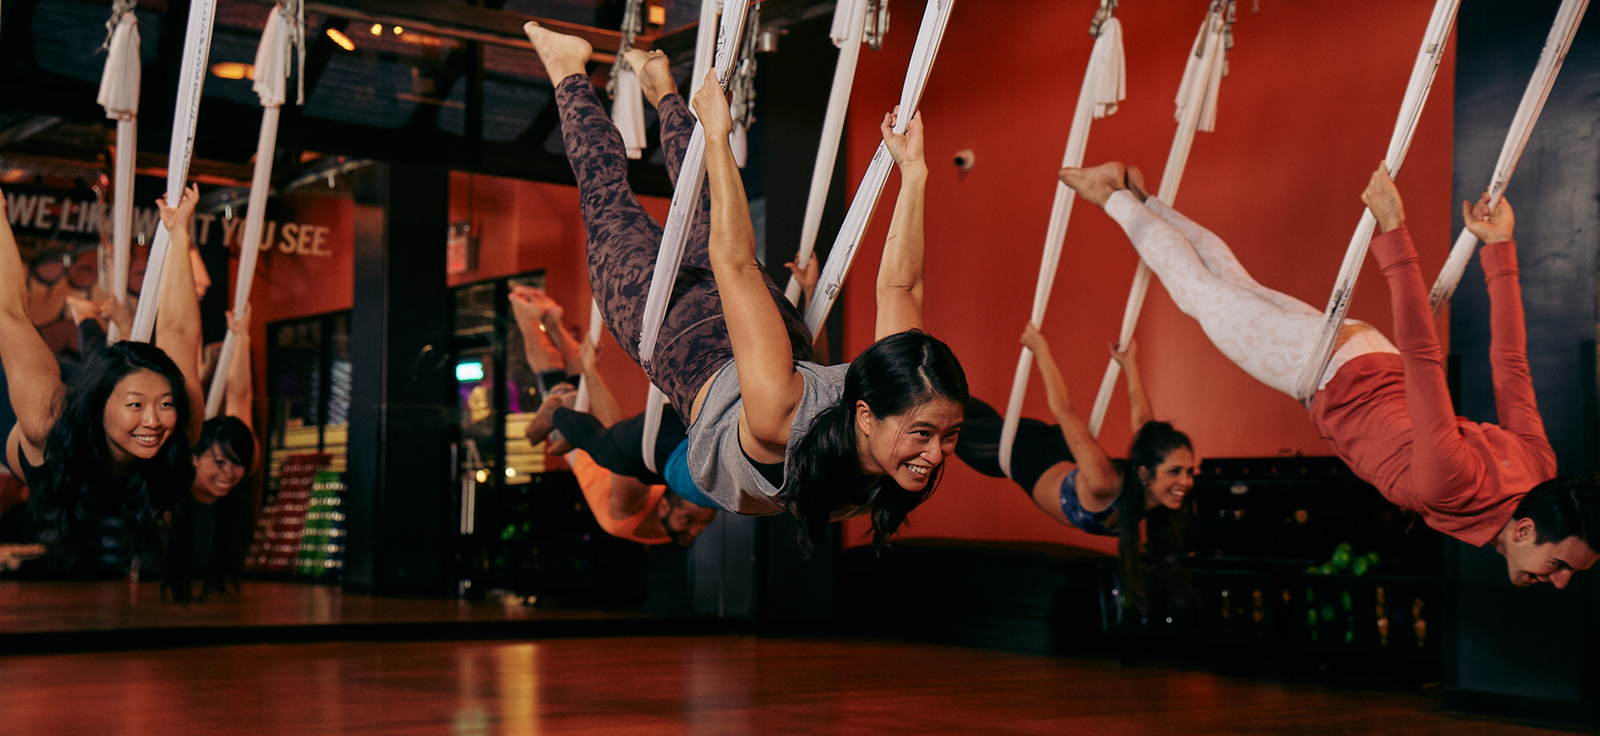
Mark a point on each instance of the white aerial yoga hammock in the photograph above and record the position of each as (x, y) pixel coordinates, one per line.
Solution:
(742, 90)
(119, 94)
(1533, 98)
(1422, 73)
(685, 199)
(849, 20)
(594, 341)
(1196, 111)
(191, 79)
(627, 105)
(285, 32)
(934, 19)
(1104, 85)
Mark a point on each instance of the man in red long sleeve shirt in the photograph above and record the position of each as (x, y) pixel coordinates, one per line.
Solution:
(1386, 408)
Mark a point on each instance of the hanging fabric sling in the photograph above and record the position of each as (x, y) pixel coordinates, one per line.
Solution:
(284, 33)
(119, 94)
(627, 105)
(1196, 111)
(191, 80)
(742, 90)
(685, 198)
(1422, 73)
(1104, 85)
(594, 340)
(934, 19)
(849, 19)
(1533, 98)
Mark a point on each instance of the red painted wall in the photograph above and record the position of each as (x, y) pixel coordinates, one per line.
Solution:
(525, 226)
(1304, 117)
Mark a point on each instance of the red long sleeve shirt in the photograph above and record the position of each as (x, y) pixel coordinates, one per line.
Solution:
(1389, 416)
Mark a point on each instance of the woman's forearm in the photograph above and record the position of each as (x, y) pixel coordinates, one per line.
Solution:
(1140, 409)
(178, 321)
(899, 287)
(240, 393)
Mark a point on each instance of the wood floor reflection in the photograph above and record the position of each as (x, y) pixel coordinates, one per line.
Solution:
(668, 685)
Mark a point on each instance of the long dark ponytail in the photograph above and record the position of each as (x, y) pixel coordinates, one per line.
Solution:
(1152, 556)
(892, 376)
(77, 484)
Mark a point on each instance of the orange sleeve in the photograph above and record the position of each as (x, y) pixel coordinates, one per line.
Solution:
(1442, 461)
(1514, 400)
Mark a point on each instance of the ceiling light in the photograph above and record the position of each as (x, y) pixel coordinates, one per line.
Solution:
(398, 30)
(377, 29)
(233, 70)
(341, 39)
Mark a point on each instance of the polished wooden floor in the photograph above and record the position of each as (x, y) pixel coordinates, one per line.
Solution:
(669, 685)
(50, 606)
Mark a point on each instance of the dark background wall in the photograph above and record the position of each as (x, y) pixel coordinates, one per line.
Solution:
(1529, 650)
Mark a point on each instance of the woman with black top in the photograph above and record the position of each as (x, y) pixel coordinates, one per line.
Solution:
(103, 454)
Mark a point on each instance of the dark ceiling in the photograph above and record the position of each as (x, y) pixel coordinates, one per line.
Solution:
(456, 88)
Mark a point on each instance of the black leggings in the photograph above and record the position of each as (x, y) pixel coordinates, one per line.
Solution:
(619, 448)
(623, 242)
(1038, 447)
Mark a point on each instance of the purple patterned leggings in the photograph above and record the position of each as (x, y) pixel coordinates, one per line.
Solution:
(623, 241)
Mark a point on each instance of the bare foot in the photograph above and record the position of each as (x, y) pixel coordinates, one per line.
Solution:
(543, 422)
(654, 72)
(1096, 184)
(1136, 183)
(562, 55)
(528, 304)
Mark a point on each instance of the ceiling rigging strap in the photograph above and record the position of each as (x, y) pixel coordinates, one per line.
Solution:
(742, 89)
(1104, 85)
(1422, 74)
(849, 20)
(274, 57)
(119, 94)
(685, 197)
(627, 105)
(1533, 98)
(191, 81)
(934, 20)
(1196, 111)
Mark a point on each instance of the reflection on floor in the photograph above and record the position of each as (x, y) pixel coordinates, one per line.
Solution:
(671, 685)
(38, 616)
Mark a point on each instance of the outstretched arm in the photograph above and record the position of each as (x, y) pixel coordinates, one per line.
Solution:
(602, 403)
(768, 384)
(900, 273)
(1140, 411)
(240, 393)
(1440, 458)
(178, 312)
(1097, 477)
(32, 375)
(1516, 406)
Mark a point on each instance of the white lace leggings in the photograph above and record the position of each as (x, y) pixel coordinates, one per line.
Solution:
(1267, 333)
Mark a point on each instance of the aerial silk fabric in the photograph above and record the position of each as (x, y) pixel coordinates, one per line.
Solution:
(273, 58)
(1104, 87)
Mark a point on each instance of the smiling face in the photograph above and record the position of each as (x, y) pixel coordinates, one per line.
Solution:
(910, 445)
(215, 475)
(1170, 481)
(1529, 562)
(140, 415)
